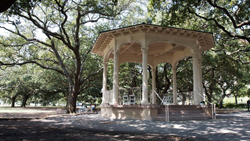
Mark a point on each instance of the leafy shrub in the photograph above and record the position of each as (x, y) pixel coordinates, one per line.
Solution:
(242, 105)
(233, 105)
(229, 105)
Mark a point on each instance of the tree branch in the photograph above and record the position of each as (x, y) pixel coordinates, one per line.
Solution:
(218, 25)
(247, 22)
(90, 75)
(31, 62)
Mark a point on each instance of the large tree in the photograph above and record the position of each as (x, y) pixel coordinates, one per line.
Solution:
(231, 16)
(55, 36)
(19, 82)
(228, 21)
(9, 84)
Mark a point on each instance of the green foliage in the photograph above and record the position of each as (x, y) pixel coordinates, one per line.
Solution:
(184, 75)
(31, 84)
(233, 105)
(225, 68)
(163, 78)
(248, 92)
(57, 35)
(130, 75)
(227, 16)
(19, 4)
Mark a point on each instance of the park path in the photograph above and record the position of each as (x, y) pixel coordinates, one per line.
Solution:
(234, 126)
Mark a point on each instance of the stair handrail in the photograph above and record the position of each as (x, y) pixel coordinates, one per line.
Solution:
(213, 106)
(205, 98)
(159, 97)
(166, 106)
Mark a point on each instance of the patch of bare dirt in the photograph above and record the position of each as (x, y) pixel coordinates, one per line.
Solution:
(32, 112)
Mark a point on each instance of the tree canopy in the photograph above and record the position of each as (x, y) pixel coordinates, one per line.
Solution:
(54, 36)
(57, 36)
(228, 62)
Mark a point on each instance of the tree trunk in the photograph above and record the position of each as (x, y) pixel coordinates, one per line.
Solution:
(221, 101)
(222, 98)
(167, 81)
(158, 85)
(183, 98)
(71, 107)
(209, 98)
(67, 101)
(25, 98)
(236, 101)
(13, 100)
(210, 93)
(210, 90)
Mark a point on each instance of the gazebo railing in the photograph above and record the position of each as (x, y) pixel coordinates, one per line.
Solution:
(130, 96)
(186, 98)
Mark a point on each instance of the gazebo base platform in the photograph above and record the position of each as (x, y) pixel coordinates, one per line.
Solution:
(157, 112)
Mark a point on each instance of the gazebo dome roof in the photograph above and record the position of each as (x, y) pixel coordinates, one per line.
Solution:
(204, 39)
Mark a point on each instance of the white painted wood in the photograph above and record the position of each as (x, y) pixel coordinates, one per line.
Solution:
(145, 77)
(116, 79)
(196, 79)
(174, 85)
(160, 45)
(153, 95)
(104, 82)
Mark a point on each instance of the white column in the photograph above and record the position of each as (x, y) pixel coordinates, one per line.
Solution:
(196, 80)
(104, 82)
(200, 78)
(145, 77)
(174, 85)
(116, 78)
(153, 96)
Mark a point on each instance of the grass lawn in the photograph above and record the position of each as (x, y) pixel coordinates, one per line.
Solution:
(230, 110)
(20, 110)
(29, 109)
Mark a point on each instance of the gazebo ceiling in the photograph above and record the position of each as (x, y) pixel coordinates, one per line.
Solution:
(155, 49)
(205, 39)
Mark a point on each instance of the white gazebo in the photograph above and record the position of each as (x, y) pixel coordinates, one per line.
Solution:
(150, 45)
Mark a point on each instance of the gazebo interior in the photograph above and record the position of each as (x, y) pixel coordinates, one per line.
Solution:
(151, 45)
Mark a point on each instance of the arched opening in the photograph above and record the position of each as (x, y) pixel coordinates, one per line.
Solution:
(130, 83)
(163, 82)
(185, 82)
(157, 47)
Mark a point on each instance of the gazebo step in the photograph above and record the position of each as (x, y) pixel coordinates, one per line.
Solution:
(188, 114)
(180, 108)
(180, 115)
(176, 118)
(158, 118)
(161, 111)
(185, 111)
(181, 118)
(180, 112)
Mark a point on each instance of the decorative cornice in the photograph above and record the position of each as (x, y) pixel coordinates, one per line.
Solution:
(204, 39)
